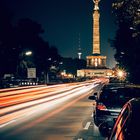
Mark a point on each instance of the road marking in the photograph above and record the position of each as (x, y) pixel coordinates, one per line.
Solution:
(79, 139)
(87, 125)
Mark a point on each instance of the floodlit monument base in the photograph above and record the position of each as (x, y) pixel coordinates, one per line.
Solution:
(96, 67)
(94, 73)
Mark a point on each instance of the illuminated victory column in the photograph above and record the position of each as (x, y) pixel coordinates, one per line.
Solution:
(96, 60)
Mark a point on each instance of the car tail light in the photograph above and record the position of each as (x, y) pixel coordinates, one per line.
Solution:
(101, 106)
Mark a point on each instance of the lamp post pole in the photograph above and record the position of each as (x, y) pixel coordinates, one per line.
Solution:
(22, 63)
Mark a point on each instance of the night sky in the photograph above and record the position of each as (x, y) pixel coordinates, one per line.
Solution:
(64, 20)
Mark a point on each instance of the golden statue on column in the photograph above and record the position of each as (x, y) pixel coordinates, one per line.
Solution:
(96, 28)
(96, 2)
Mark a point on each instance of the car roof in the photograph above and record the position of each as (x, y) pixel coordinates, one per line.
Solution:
(135, 105)
(122, 89)
(114, 86)
(135, 115)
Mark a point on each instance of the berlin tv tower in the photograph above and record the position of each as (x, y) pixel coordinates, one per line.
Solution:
(79, 48)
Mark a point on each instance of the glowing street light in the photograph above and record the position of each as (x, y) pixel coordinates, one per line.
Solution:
(28, 53)
(121, 74)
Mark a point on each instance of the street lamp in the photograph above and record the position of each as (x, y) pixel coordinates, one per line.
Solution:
(23, 63)
(28, 53)
(121, 74)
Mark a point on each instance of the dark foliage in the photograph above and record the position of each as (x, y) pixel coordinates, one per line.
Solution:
(127, 40)
(16, 40)
(72, 65)
(7, 42)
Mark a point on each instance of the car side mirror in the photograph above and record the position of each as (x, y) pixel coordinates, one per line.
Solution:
(92, 97)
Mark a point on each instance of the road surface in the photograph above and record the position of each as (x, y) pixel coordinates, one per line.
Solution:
(61, 112)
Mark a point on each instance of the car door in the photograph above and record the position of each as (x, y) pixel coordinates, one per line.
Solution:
(119, 129)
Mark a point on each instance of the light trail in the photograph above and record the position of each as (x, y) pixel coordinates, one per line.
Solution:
(50, 114)
(20, 88)
(31, 103)
(24, 104)
(29, 95)
(33, 95)
(11, 92)
(18, 111)
(5, 101)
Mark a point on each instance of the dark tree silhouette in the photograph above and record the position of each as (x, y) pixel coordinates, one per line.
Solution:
(8, 53)
(15, 40)
(44, 56)
(72, 65)
(29, 38)
(127, 38)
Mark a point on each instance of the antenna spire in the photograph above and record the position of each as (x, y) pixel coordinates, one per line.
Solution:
(79, 48)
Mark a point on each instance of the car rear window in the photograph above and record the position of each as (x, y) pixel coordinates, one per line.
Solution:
(119, 96)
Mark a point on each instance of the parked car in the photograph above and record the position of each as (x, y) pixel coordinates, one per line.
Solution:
(9, 82)
(110, 101)
(114, 85)
(127, 126)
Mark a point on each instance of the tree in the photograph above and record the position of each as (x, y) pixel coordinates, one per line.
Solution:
(8, 53)
(15, 40)
(72, 65)
(29, 38)
(127, 40)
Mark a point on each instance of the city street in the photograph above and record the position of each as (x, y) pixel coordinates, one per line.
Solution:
(68, 65)
(61, 112)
